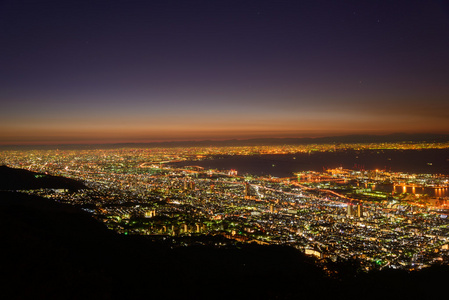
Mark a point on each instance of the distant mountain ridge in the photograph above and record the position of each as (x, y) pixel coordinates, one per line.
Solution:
(356, 138)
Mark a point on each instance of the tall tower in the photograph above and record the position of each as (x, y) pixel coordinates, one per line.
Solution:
(246, 189)
(360, 210)
(350, 211)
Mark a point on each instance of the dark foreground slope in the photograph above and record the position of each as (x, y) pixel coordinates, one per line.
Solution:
(18, 179)
(54, 251)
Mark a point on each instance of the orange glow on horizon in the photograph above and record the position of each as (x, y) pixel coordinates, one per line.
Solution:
(126, 130)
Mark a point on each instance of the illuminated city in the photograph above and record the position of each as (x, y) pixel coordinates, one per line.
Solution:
(255, 149)
(335, 215)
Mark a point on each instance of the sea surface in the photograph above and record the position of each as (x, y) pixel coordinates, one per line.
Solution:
(429, 161)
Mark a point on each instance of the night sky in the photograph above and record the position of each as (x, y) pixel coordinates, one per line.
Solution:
(140, 71)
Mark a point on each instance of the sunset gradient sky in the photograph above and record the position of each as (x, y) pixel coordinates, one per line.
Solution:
(140, 71)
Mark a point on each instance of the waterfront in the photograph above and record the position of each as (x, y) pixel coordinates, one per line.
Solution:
(432, 192)
(425, 161)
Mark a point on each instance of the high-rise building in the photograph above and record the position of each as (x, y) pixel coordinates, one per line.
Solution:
(360, 210)
(246, 189)
(350, 210)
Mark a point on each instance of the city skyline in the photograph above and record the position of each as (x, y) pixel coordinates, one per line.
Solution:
(393, 218)
(133, 71)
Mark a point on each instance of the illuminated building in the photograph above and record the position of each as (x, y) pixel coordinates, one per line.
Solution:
(350, 211)
(246, 189)
(360, 210)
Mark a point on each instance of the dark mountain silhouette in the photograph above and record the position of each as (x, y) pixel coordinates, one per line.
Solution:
(57, 251)
(18, 179)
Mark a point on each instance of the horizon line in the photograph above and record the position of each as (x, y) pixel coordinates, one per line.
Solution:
(218, 140)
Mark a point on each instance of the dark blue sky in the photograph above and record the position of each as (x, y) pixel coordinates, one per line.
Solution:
(109, 71)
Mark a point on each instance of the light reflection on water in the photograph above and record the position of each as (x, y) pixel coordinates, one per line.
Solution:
(433, 192)
(284, 165)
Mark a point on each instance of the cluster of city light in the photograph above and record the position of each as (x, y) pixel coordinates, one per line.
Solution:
(137, 191)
